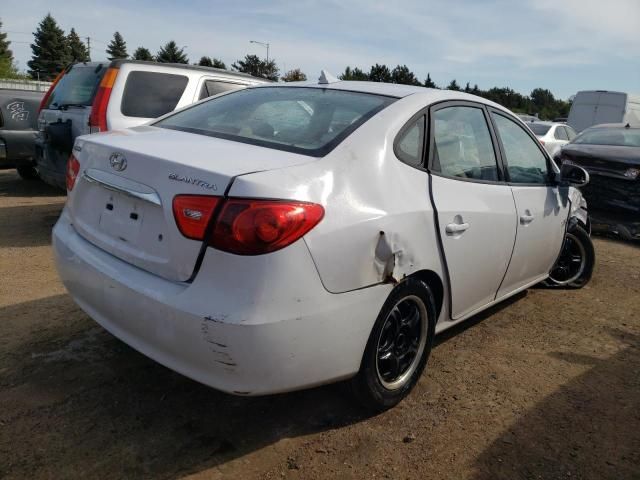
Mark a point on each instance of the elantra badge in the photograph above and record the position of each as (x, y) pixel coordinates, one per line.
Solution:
(118, 162)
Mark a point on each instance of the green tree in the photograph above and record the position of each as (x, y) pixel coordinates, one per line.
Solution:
(117, 48)
(50, 50)
(77, 50)
(380, 73)
(295, 75)
(171, 53)
(402, 74)
(453, 85)
(253, 65)
(212, 62)
(429, 83)
(467, 88)
(475, 90)
(142, 53)
(355, 74)
(5, 51)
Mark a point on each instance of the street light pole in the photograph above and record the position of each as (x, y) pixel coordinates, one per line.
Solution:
(264, 45)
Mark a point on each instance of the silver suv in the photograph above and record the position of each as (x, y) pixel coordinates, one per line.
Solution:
(98, 96)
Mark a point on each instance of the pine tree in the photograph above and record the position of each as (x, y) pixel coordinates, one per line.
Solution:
(467, 88)
(50, 50)
(212, 62)
(402, 74)
(117, 48)
(77, 50)
(252, 65)
(355, 74)
(142, 53)
(453, 85)
(380, 73)
(429, 83)
(5, 52)
(170, 53)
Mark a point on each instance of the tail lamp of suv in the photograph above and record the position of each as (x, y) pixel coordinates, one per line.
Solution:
(98, 117)
(73, 168)
(245, 226)
(45, 99)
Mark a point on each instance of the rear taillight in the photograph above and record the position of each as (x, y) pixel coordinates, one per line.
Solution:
(45, 99)
(98, 117)
(193, 213)
(247, 226)
(73, 168)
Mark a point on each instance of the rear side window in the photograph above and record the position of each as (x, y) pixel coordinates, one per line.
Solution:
(76, 87)
(151, 94)
(463, 147)
(214, 87)
(560, 134)
(311, 121)
(410, 144)
(571, 133)
(525, 162)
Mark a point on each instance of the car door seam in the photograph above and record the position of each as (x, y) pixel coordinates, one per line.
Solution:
(513, 248)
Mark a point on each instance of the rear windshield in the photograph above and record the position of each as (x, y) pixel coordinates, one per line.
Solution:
(311, 121)
(76, 87)
(152, 94)
(538, 128)
(623, 137)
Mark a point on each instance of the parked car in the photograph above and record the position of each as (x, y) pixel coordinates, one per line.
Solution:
(611, 155)
(18, 116)
(594, 107)
(99, 96)
(552, 135)
(286, 236)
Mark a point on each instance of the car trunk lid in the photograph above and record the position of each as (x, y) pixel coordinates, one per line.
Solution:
(122, 200)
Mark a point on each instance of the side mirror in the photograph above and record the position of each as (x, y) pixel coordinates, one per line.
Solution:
(573, 175)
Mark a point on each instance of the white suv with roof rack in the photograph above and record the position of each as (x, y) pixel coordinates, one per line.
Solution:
(97, 96)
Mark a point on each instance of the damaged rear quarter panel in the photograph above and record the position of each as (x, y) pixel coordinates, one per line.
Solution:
(365, 190)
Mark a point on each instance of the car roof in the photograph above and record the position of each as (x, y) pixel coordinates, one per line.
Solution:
(390, 90)
(119, 62)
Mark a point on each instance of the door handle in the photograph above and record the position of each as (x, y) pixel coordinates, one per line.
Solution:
(526, 219)
(453, 228)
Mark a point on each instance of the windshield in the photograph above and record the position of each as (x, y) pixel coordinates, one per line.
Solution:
(539, 128)
(76, 87)
(624, 137)
(311, 121)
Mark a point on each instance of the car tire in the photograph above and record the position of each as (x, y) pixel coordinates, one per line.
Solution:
(406, 324)
(27, 172)
(574, 266)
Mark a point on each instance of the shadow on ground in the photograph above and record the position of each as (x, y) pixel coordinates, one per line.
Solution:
(74, 395)
(589, 428)
(28, 225)
(11, 185)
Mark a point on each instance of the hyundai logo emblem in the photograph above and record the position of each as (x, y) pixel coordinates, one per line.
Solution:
(118, 162)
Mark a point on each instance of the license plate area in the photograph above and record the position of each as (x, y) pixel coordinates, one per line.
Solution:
(122, 217)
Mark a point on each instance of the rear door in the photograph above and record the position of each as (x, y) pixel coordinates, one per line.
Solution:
(542, 207)
(476, 213)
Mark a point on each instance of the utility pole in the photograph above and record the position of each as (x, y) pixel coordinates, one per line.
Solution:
(89, 47)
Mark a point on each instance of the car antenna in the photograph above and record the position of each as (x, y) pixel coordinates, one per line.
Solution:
(627, 125)
(326, 78)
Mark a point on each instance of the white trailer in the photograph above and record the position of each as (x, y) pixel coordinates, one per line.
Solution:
(593, 107)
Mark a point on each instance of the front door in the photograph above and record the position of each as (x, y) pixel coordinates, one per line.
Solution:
(542, 207)
(476, 213)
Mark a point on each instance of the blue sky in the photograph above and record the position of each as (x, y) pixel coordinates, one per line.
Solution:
(563, 45)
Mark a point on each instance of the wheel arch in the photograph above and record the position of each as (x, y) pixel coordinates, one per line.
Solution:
(433, 280)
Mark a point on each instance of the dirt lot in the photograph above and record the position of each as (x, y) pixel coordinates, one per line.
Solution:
(546, 386)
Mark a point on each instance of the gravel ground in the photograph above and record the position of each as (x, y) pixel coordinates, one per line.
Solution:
(544, 386)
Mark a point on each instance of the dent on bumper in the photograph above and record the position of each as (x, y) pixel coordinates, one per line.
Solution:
(276, 333)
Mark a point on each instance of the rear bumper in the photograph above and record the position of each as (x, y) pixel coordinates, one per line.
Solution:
(273, 330)
(51, 164)
(17, 148)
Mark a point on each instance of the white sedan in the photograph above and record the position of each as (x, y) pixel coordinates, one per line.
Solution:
(286, 236)
(552, 135)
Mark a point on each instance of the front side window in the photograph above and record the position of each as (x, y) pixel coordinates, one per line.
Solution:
(463, 147)
(311, 121)
(410, 144)
(214, 87)
(151, 94)
(525, 162)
